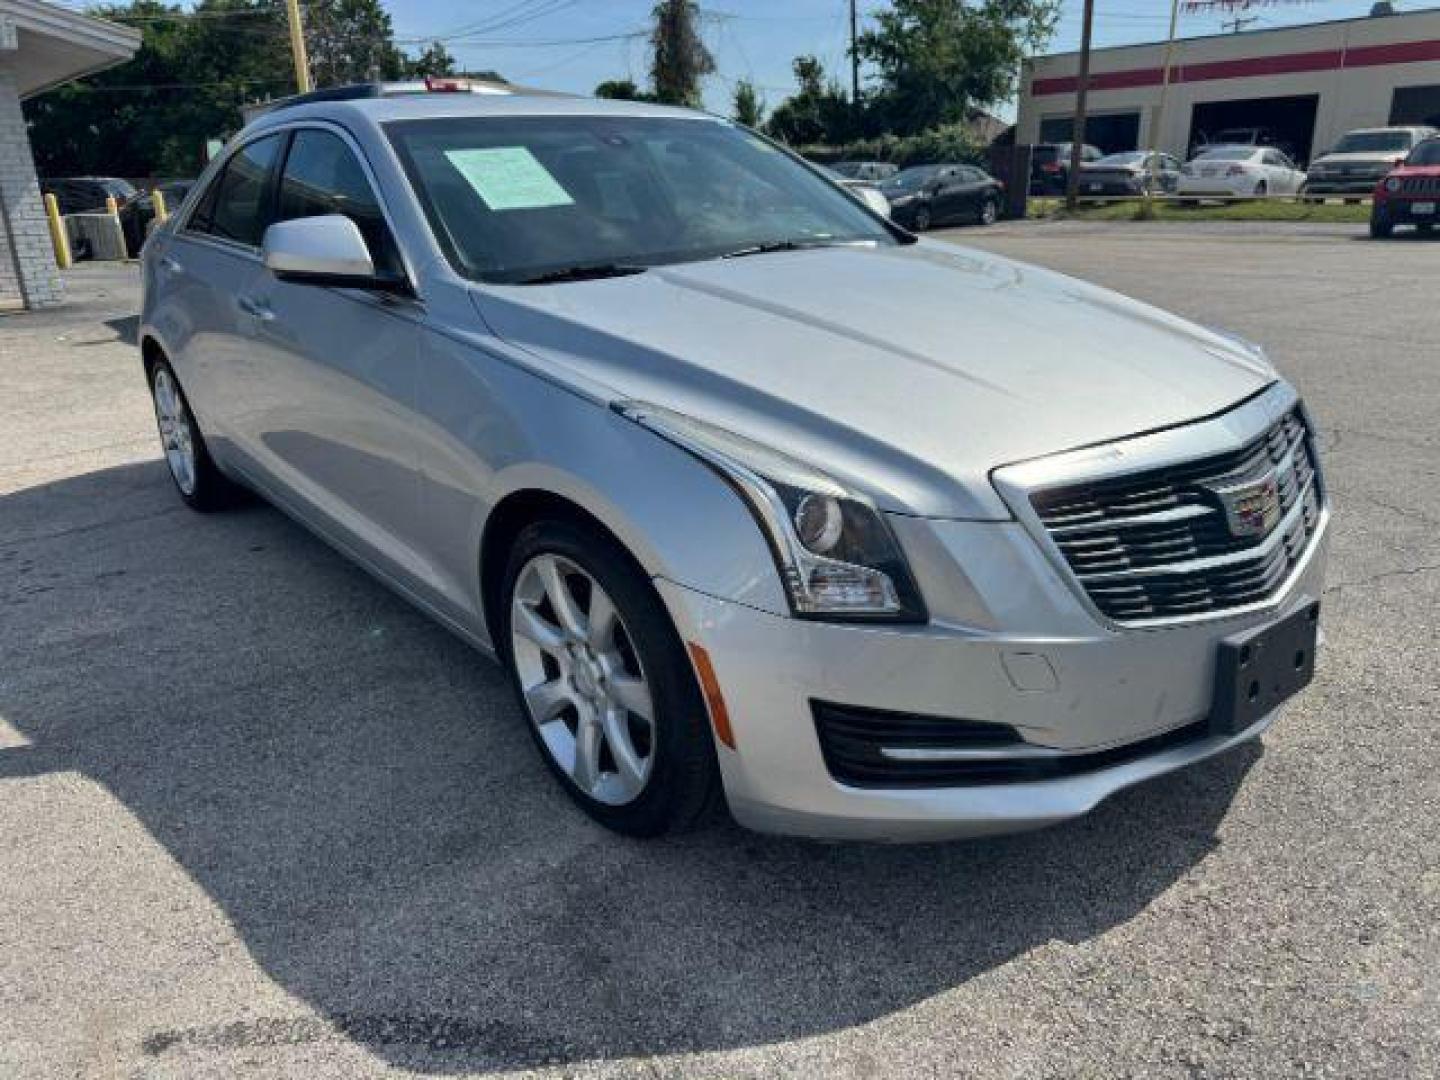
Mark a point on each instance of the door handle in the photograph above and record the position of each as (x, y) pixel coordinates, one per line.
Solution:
(255, 308)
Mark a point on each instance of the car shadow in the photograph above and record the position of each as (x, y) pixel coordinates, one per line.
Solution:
(355, 790)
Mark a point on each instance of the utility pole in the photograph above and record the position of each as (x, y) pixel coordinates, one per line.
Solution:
(297, 46)
(1077, 138)
(1154, 140)
(854, 57)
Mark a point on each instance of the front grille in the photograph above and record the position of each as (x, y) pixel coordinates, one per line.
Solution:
(1158, 544)
(1420, 185)
(854, 743)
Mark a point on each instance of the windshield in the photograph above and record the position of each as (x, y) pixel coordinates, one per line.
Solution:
(1235, 153)
(1427, 153)
(514, 198)
(1372, 142)
(912, 178)
(1130, 157)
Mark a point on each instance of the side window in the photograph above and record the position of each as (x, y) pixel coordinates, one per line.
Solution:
(322, 176)
(235, 206)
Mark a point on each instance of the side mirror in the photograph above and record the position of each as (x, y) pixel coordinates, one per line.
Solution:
(325, 250)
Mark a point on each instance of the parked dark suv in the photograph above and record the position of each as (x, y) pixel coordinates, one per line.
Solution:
(1050, 166)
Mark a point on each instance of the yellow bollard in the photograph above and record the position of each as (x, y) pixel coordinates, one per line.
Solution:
(157, 197)
(112, 207)
(58, 236)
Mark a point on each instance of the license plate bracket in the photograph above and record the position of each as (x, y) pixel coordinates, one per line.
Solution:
(1257, 670)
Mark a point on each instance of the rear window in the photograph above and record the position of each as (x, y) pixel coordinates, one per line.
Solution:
(1373, 142)
(1235, 153)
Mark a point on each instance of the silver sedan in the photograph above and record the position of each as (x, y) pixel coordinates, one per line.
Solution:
(763, 502)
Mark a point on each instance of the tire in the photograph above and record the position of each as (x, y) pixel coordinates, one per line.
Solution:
(663, 776)
(203, 486)
(922, 219)
(989, 212)
(1380, 228)
(1262, 189)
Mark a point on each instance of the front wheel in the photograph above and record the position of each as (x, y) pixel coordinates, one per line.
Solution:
(1381, 228)
(989, 212)
(604, 680)
(922, 219)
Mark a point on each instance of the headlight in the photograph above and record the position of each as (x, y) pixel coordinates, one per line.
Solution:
(834, 550)
(1392, 184)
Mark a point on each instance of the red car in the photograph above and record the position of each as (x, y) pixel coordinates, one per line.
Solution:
(1410, 194)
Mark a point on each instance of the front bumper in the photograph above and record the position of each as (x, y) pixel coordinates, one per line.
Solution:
(1361, 185)
(1401, 211)
(1052, 672)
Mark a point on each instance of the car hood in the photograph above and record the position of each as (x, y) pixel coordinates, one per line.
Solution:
(1370, 157)
(909, 372)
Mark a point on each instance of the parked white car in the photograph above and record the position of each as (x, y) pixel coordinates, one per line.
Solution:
(1241, 170)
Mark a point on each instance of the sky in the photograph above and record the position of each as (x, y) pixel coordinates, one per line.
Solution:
(574, 44)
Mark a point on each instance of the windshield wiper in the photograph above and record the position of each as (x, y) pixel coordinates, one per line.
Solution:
(583, 272)
(767, 246)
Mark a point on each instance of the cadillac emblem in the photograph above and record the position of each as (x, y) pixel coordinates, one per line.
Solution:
(1252, 507)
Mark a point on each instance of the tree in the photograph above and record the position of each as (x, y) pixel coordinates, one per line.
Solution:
(350, 41)
(152, 116)
(680, 58)
(435, 59)
(619, 90)
(748, 107)
(939, 59)
(817, 112)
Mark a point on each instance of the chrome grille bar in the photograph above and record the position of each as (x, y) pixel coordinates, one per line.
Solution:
(1157, 543)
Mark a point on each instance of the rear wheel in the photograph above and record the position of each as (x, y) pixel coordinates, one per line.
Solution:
(989, 211)
(1262, 189)
(605, 682)
(922, 219)
(200, 483)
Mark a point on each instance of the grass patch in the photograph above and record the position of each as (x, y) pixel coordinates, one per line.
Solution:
(1254, 210)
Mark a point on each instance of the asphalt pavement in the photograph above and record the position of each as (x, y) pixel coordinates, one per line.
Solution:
(260, 818)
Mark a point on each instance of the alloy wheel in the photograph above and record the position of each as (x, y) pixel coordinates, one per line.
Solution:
(176, 435)
(581, 679)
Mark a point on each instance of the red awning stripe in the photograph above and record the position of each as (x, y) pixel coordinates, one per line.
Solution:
(1404, 52)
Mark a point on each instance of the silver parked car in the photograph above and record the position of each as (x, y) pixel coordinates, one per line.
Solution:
(760, 499)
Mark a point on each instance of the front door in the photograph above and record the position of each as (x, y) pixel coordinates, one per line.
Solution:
(336, 368)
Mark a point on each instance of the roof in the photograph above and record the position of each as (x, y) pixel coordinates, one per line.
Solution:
(436, 105)
(57, 44)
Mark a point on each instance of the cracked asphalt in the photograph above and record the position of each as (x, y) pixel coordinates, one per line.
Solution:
(259, 818)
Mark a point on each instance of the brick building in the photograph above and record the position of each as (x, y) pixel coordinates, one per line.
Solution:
(1307, 84)
(41, 46)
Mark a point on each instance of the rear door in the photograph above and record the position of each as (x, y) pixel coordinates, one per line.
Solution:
(333, 382)
(202, 273)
